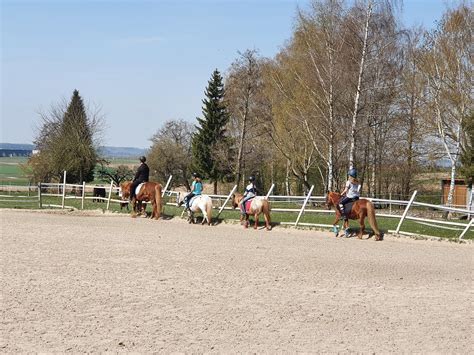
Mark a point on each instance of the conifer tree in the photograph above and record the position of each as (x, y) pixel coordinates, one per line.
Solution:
(66, 142)
(211, 132)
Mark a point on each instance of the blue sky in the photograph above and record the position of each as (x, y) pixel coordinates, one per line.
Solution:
(143, 62)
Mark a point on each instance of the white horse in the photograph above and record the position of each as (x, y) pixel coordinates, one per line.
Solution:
(198, 203)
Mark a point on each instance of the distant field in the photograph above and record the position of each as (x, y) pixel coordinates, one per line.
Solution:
(10, 171)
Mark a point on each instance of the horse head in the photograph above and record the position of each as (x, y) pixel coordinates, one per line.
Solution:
(124, 189)
(236, 198)
(332, 199)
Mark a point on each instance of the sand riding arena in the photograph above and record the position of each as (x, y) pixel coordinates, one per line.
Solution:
(84, 282)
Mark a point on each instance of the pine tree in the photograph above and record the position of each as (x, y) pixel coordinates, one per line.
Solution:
(66, 142)
(79, 154)
(211, 132)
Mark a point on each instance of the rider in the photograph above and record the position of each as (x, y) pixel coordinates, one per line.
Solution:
(250, 192)
(351, 191)
(196, 189)
(142, 175)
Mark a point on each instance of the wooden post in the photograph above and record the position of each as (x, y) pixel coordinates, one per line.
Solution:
(406, 211)
(304, 204)
(226, 200)
(64, 189)
(83, 194)
(465, 230)
(166, 186)
(110, 194)
(40, 203)
(390, 204)
(270, 191)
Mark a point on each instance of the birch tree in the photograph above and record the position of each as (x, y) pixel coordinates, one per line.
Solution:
(447, 67)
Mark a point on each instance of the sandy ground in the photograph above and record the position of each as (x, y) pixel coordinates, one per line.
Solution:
(111, 283)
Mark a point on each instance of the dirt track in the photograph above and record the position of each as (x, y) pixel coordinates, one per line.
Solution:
(110, 283)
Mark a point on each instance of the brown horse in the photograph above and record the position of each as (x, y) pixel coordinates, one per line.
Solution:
(360, 209)
(150, 191)
(258, 205)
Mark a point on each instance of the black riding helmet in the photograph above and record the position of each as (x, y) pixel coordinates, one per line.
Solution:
(251, 178)
(195, 175)
(143, 159)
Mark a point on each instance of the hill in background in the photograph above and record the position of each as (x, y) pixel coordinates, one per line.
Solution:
(105, 151)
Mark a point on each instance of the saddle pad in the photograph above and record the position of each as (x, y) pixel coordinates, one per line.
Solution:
(137, 190)
(192, 199)
(348, 208)
(248, 204)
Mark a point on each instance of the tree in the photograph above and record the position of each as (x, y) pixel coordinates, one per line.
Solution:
(67, 140)
(170, 152)
(211, 132)
(447, 66)
(467, 151)
(242, 87)
(117, 175)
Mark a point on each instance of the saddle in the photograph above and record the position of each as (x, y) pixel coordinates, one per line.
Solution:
(348, 208)
(137, 190)
(190, 203)
(248, 203)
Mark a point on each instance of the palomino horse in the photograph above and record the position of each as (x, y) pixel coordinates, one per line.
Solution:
(360, 209)
(150, 191)
(198, 203)
(257, 206)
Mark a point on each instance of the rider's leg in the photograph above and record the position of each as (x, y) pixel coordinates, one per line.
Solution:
(188, 199)
(133, 187)
(243, 203)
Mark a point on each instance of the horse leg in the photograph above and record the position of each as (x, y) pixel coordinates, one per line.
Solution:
(267, 221)
(246, 224)
(255, 217)
(134, 208)
(362, 226)
(204, 217)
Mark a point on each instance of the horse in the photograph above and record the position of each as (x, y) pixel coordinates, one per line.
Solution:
(149, 191)
(198, 203)
(258, 205)
(360, 209)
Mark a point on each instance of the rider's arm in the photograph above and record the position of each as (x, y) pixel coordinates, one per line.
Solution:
(343, 193)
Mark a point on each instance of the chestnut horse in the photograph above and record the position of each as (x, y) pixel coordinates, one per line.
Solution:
(258, 205)
(360, 209)
(150, 191)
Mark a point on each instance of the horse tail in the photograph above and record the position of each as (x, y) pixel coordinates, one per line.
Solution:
(158, 200)
(371, 216)
(266, 213)
(209, 211)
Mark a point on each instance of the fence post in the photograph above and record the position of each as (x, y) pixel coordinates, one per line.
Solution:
(64, 189)
(469, 207)
(390, 203)
(110, 194)
(226, 200)
(270, 191)
(304, 204)
(40, 203)
(166, 186)
(83, 194)
(465, 230)
(406, 211)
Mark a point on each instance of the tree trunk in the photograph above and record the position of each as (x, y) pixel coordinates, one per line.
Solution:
(359, 84)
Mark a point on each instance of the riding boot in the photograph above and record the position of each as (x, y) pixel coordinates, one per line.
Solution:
(341, 209)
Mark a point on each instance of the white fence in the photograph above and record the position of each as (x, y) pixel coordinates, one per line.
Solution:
(221, 202)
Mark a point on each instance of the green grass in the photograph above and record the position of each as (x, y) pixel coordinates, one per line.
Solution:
(170, 211)
(11, 172)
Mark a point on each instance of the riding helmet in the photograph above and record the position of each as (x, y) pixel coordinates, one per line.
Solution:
(352, 172)
(195, 175)
(143, 159)
(251, 178)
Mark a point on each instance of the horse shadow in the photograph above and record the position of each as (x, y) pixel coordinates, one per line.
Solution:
(354, 233)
